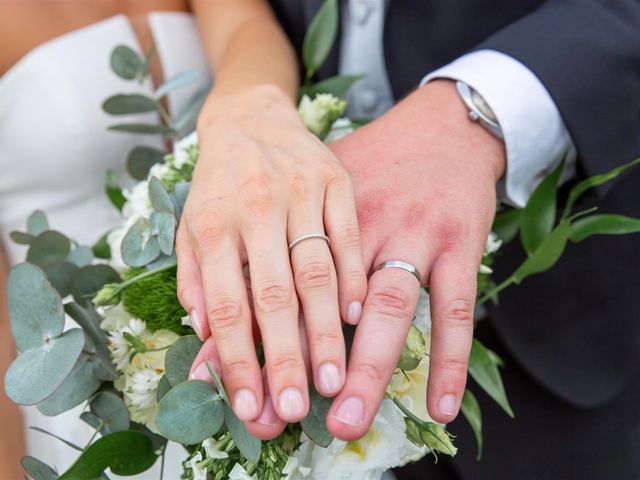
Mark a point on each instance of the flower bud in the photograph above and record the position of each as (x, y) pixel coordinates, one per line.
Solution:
(414, 350)
(108, 295)
(319, 114)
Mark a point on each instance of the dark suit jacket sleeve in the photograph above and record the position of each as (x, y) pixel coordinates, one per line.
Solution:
(587, 54)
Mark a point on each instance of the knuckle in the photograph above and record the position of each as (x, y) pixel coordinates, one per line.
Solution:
(299, 187)
(314, 275)
(207, 228)
(372, 372)
(459, 312)
(451, 234)
(257, 193)
(392, 301)
(455, 365)
(349, 237)
(273, 297)
(327, 340)
(286, 362)
(225, 314)
(236, 366)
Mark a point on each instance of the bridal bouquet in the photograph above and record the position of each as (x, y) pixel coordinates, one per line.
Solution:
(128, 356)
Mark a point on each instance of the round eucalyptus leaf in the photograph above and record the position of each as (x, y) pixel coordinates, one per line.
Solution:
(144, 128)
(38, 470)
(159, 197)
(125, 62)
(110, 408)
(76, 388)
(47, 248)
(125, 453)
(248, 445)
(39, 371)
(35, 308)
(179, 196)
(80, 256)
(90, 279)
(61, 275)
(21, 238)
(163, 226)
(123, 104)
(141, 159)
(139, 245)
(163, 387)
(190, 413)
(37, 223)
(179, 357)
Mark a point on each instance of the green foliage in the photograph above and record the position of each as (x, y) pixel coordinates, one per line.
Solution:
(179, 357)
(163, 388)
(37, 223)
(38, 470)
(139, 245)
(101, 248)
(159, 197)
(21, 238)
(546, 255)
(61, 276)
(471, 410)
(315, 423)
(506, 224)
(113, 190)
(483, 368)
(607, 224)
(48, 248)
(110, 408)
(320, 37)
(337, 86)
(127, 104)
(185, 120)
(177, 81)
(154, 300)
(90, 279)
(143, 128)
(141, 159)
(249, 446)
(126, 63)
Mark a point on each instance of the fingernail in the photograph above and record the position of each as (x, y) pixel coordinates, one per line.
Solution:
(291, 402)
(329, 378)
(245, 405)
(350, 412)
(201, 372)
(354, 312)
(269, 416)
(196, 322)
(448, 404)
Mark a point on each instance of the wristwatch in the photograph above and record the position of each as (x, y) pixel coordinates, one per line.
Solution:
(479, 110)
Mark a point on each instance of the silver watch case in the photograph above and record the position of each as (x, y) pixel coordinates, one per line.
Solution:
(479, 111)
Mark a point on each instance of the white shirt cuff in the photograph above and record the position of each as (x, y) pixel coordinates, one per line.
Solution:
(535, 135)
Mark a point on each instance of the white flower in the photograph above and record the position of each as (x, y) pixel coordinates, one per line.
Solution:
(493, 244)
(140, 391)
(119, 345)
(239, 473)
(294, 471)
(319, 114)
(340, 128)
(180, 149)
(211, 449)
(114, 240)
(159, 170)
(114, 317)
(186, 321)
(138, 204)
(194, 464)
(485, 269)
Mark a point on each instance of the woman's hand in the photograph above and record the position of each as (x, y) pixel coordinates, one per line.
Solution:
(262, 181)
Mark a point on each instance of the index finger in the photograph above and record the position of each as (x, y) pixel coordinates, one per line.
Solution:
(387, 315)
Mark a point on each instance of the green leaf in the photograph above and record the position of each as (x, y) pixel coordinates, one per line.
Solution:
(157, 441)
(38, 470)
(471, 410)
(159, 197)
(143, 128)
(179, 80)
(91, 419)
(37, 223)
(248, 445)
(320, 36)
(218, 383)
(580, 188)
(39, 371)
(125, 453)
(179, 196)
(141, 159)
(125, 104)
(90, 279)
(101, 248)
(546, 255)
(35, 308)
(337, 86)
(186, 117)
(47, 248)
(113, 190)
(179, 357)
(63, 440)
(484, 370)
(125, 62)
(506, 224)
(190, 413)
(139, 245)
(315, 423)
(21, 238)
(148, 57)
(110, 408)
(163, 226)
(61, 276)
(80, 256)
(539, 215)
(163, 387)
(606, 224)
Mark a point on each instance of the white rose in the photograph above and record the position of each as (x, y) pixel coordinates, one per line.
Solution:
(319, 114)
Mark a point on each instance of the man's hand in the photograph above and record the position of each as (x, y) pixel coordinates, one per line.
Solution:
(424, 179)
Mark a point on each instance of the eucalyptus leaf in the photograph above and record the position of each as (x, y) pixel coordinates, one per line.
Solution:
(143, 128)
(163, 387)
(63, 440)
(471, 410)
(190, 413)
(47, 248)
(90, 279)
(110, 408)
(315, 423)
(179, 196)
(580, 188)
(484, 370)
(177, 81)
(539, 215)
(125, 104)
(159, 197)
(38, 470)
(125, 62)
(605, 224)
(21, 238)
(179, 357)
(320, 36)
(39, 371)
(337, 86)
(139, 245)
(35, 308)
(90, 321)
(187, 116)
(37, 223)
(506, 224)
(101, 248)
(163, 226)
(125, 453)
(113, 190)
(546, 255)
(91, 419)
(80, 256)
(61, 276)
(218, 383)
(141, 159)
(248, 445)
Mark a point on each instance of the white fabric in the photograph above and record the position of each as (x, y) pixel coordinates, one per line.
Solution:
(535, 135)
(55, 148)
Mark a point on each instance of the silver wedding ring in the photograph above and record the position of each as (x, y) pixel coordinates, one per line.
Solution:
(309, 236)
(402, 265)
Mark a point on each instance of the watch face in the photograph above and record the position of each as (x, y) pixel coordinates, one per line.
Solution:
(481, 105)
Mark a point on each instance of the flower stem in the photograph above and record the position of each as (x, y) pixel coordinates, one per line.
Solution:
(492, 293)
(144, 275)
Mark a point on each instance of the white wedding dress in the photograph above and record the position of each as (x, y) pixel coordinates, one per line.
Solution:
(55, 149)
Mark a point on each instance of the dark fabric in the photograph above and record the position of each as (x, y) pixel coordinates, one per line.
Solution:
(577, 328)
(547, 440)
